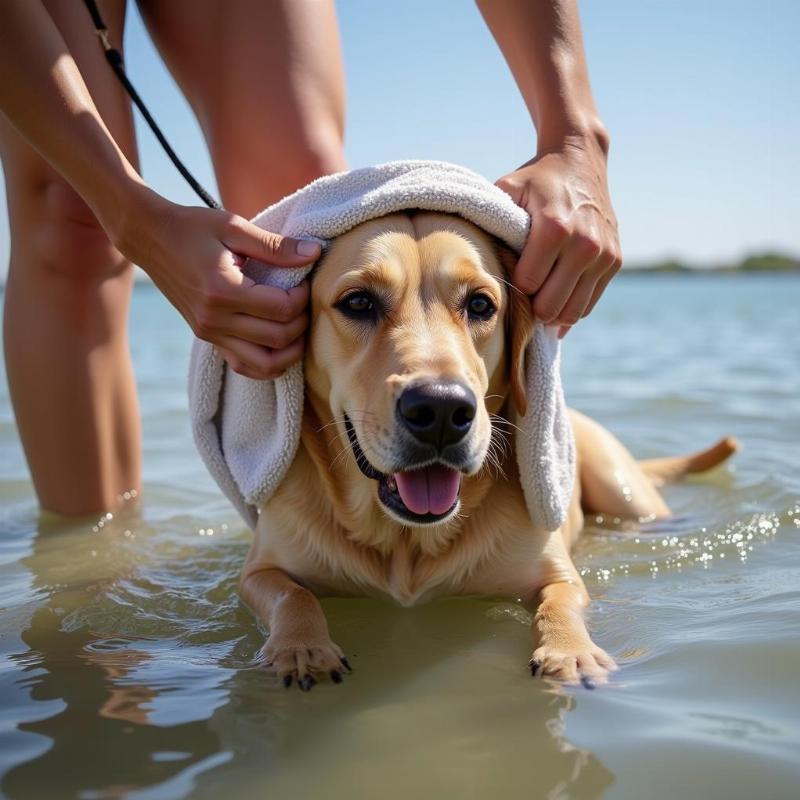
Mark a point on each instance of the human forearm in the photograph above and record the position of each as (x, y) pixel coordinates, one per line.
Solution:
(193, 255)
(44, 96)
(572, 249)
(542, 43)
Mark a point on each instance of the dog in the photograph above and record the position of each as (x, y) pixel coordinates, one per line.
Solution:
(405, 485)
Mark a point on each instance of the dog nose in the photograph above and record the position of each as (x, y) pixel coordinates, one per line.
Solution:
(437, 413)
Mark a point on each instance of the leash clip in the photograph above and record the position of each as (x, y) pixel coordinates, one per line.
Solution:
(102, 34)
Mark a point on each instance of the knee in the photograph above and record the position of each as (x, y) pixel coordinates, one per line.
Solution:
(64, 238)
(311, 160)
(282, 167)
(316, 160)
(318, 151)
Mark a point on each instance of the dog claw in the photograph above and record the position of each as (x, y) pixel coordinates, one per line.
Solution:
(534, 668)
(588, 683)
(307, 683)
(346, 664)
(287, 681)
(336, 676)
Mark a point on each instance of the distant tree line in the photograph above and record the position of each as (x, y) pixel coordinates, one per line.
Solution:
(759, 262)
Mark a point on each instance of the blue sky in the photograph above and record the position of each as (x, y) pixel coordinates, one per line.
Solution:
(702, 99)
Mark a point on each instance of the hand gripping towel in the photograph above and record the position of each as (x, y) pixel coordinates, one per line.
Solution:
(248, 431)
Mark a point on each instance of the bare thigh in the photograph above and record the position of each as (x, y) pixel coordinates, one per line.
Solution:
(265, 80)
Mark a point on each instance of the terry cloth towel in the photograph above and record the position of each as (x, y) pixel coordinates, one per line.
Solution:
(248, 431)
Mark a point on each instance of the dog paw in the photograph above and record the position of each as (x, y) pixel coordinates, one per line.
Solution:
(303, 662)
(588, 666)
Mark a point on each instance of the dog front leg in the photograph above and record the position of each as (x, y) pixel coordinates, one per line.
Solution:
(563, 648)
(299, 644)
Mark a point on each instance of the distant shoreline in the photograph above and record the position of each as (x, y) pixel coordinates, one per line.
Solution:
(750, 265)
(761, 264)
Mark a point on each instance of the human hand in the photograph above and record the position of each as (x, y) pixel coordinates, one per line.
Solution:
(195, 255)
(573, 248)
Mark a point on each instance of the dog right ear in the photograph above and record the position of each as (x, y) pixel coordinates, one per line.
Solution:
(519, 329)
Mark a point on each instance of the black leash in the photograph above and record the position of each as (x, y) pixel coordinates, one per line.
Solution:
(114, 58)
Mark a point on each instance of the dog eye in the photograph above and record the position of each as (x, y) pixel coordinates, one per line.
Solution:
(480, 307)
(358, 305)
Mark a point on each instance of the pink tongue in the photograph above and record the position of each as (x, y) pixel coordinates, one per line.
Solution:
(431, 490)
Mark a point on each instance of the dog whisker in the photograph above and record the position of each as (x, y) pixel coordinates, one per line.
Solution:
(502, 439)
(328, 425)
(340, 456)
(339, 439)
(499, 431)
(510, 285)
(352, 416)
(496, 454)
(500, 421)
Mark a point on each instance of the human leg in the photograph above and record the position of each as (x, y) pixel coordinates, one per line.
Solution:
(266, 82)
(66, 303)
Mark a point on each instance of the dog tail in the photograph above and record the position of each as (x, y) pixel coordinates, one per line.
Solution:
(668, 470)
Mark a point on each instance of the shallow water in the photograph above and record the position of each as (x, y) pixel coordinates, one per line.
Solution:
(128, 668)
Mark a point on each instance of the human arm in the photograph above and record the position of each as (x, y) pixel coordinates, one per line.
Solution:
(573, 249)
(192, 254)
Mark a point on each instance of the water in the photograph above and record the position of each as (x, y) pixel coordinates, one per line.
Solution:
(128, 668)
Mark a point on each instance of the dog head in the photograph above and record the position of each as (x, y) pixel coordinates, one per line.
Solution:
(416, 339)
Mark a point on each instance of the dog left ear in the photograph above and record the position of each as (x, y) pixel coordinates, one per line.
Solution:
(519, 328)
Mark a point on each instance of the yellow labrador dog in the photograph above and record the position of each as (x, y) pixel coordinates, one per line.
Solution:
(399, 487)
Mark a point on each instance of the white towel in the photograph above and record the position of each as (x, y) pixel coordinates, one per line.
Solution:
(248, 431)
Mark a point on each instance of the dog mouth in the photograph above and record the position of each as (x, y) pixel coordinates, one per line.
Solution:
(421, 496)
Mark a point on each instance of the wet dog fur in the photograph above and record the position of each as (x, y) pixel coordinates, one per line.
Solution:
(423, 299)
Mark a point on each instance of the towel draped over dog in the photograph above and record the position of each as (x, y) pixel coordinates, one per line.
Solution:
(247, 431)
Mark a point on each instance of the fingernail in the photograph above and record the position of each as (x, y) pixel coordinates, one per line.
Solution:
(307, 248)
